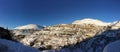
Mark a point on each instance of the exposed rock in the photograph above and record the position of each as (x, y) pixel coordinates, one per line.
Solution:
(94, 44)
(5, 34)
(85, 41)
(58, 36)
(8, 45)
(84, 37)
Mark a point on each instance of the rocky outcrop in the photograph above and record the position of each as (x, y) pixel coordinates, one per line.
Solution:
(21, 33)
(85, 37)
(5, 34)
(95, 44)
(58, 36)
(8, 44)
(72, 38)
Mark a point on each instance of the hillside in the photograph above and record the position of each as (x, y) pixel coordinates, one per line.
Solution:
(84, 37)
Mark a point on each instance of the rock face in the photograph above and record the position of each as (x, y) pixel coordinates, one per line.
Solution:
(86, 35)
(21, 31)
(7, 44)
(5, 34)
(95, 44)
(58, 36)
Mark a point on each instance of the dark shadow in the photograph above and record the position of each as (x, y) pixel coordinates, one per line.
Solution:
(5, 34)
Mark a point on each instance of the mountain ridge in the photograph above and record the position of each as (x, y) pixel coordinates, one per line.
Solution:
(91, 21)
(84, 37)
(29, 26)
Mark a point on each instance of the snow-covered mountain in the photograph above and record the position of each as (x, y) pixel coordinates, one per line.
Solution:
(29, 26)
(87, 35)
(91, 21)
(115, 25)
(26, 29)
(72, 38)
(61, 35)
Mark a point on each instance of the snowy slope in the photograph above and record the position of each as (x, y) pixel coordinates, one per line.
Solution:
(113, 47)
(29, 26)
(62, 35)
(115, 25)
(91, 21)
(9, 46)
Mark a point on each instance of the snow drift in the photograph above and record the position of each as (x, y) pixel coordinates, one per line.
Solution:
(9, 46)
(113, 47)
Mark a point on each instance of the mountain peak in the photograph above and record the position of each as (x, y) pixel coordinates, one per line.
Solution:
(29, 26)
(115, 25)
(91, 21)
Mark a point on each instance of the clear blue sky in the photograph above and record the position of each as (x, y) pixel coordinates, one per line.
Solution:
(50, 12)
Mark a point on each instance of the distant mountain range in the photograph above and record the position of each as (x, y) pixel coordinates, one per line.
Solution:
(30, 26)
(80, 22)
(91, 21)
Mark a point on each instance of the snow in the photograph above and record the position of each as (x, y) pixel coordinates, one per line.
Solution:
(9, 46)
(115, 25)
(91, 21)
(29, 26)
(113, 47)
